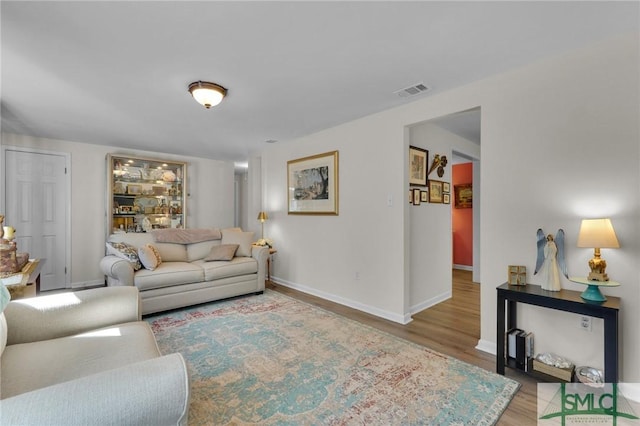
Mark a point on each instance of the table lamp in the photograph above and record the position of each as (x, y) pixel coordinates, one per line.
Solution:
(597, 233)
(263, 217)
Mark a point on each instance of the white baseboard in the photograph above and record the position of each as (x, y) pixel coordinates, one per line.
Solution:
(463, 267)
(87, 284)
(406, 319)
(431, 302)
(486, 346)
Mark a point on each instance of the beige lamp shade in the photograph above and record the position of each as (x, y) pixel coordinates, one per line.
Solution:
(597, 233)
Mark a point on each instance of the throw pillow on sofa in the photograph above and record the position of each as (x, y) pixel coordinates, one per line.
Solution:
(243, 239)
(125, 251)
(222, 252)
(149, 257)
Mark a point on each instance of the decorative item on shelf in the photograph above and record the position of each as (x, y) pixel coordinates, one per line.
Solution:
(11, 261)
(146, 224)
(134, 189)
(9, 232)
(554, 365)
(517, 275)
(168, 176)
(550, 261)
(597, 234)
(418, 158)
(264, 242)
(593, 293)
(263, 217)
(588, 375)
(119, 188)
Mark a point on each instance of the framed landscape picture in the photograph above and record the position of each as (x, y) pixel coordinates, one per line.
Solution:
(312, 184)
(463, 196)
(418, 158)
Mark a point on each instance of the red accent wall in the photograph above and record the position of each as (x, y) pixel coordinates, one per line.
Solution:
(462, 219)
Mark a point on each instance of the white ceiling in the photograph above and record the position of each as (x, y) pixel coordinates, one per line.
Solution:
(116, 73)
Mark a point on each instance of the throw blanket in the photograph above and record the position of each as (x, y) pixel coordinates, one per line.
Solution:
(185, 236)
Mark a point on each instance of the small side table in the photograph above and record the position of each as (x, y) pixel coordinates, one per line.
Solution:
(509, 296)
(19, 284)
(272, 251)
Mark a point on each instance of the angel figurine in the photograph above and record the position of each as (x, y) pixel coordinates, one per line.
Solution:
(550, 262)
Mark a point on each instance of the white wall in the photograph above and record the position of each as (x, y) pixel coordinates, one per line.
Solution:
(254, 198)
(322, 254)
(210, 184)
(559, 143)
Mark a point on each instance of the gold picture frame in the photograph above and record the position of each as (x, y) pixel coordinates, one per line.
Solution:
(312, 184)
(463, 196)
(435, 191)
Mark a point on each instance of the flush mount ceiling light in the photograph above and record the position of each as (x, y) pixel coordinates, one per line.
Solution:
(207, 94)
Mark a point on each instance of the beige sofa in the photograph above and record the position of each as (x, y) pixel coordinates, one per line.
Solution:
(85, 358)
(185, 275)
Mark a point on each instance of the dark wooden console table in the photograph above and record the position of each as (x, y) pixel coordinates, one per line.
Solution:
(564, 300)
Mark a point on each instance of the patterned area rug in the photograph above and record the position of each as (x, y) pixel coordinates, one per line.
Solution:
(273, 360)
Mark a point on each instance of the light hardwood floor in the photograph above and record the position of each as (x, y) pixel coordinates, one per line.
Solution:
(451, 327)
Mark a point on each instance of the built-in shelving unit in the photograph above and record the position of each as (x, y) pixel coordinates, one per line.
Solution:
(145, 194)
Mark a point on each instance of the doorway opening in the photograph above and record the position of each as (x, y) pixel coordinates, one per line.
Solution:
(457, 136)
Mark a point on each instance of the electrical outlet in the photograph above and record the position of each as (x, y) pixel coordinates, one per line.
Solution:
(585, 323)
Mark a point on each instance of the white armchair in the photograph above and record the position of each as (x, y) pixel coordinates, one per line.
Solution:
(85, 358)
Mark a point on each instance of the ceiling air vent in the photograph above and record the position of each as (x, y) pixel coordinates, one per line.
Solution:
(416, 89)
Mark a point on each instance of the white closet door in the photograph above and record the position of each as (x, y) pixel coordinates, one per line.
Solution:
(36, 205)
